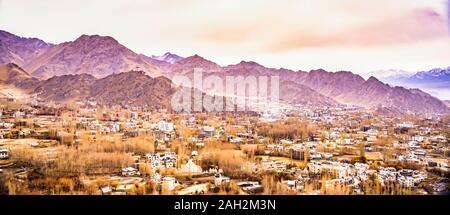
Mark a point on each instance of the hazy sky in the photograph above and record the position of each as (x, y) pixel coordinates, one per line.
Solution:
(357, 35)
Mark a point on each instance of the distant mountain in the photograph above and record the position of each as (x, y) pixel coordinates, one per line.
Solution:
(382, 74)
(291, 92)
(447, 102)
(11, 93)
(19, 50)
(435, 81)
(99, 56)
(134, 88)
(437, 75)
(12, 74)
(66, 88)
(15, 83)
(187, 65)
(373, 93)
(320, 87)
(92, 54)
(298, 94)
(99, 67)
(167, 57)
(330, 84)
(348, 88)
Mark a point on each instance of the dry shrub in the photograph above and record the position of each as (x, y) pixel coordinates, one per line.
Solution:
(78, 162)
(67, 139)
(168, 171)
(215, 145)
(374, 187)
(71, 161)
(53, 185)
(272, 186)
(145, 169)
(234, 189)
(230, 161)
(92, 189)
(139, 145)
(106, 155)
(249, 149)
(288, 129)
(165, 189)
(3, 186)
(336, 189)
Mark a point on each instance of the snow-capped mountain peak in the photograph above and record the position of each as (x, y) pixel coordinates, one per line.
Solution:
(382, 74)
(168, 57)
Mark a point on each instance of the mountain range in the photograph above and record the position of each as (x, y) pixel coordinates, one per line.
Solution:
(100, 68)
(447, 102)
(99, 56)
(20, 50)
(435, 81)
(133, 88)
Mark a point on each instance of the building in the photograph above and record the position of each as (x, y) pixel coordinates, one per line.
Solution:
(4, 154)
(220, 180)
(130, 171)
(336, 169)
(165, 126)
(106, 190)
(206, 131)
(169, 183)
(162, 160)
(191, 167)
(251, 187)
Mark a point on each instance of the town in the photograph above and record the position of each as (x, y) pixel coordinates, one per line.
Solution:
(84, 148)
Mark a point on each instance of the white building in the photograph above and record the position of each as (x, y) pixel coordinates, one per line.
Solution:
(190, 167)
(221, 181)
(130, 171)
(165, 126)
(169, 182)
(4, 154)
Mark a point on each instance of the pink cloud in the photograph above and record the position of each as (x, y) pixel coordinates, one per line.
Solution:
(417, 25)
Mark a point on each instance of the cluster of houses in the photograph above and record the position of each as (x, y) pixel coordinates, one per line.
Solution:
(160, 160)
(361, 172)
(341, 135)
(251, 187)
(405, 177)
(122, 185)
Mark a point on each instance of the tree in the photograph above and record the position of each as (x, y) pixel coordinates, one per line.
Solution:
(3, 185)
(306, 154)
(362, 153)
